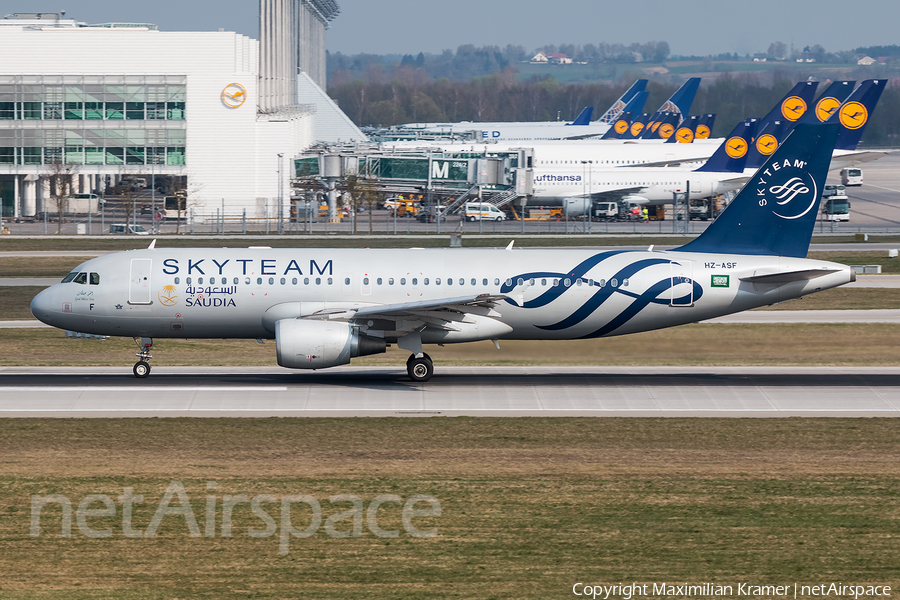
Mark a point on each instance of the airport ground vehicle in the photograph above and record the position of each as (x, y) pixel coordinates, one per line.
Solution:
(483, 211)
(606, 211)
(403, 206)
(122, 229)
(852, 176)
(835, 203)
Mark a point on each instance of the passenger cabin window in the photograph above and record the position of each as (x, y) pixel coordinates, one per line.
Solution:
(95, 278)
(70, 277)
(81, 278)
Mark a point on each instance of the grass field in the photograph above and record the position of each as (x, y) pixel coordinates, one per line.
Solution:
(868, 344)
(529, 506)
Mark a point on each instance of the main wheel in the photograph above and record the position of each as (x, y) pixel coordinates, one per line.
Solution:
(420, 369)
(141, 369)
(412, 357)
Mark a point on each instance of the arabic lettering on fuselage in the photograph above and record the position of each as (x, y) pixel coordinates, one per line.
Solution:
(244, 266)
(209, 296)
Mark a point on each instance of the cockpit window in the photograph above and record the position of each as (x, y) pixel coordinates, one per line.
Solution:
(70, 277)
(95, 278)
(81, 278)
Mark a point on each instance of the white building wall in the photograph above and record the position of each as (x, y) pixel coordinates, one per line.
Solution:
(224, 144)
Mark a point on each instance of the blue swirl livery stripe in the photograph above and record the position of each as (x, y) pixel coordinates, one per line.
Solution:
(651, 296)
(603, 294)
(556, 291)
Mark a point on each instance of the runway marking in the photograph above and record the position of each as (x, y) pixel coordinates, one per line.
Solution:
(881, 188)
(64, 388)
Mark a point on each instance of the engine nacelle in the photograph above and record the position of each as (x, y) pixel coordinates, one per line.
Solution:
(314, 344)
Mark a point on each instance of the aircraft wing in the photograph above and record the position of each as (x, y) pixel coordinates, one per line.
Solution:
(410, 316)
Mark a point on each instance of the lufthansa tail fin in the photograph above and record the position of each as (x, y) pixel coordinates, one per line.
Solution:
(854, 114)
(619, 105)
(663, 128)
(828, 102)
(704, 127)
(623, 122)
(584, 118)
(766, 142)
(636, 128)
(731, 155)
(685, 132)
(793, 106)
(774, 214)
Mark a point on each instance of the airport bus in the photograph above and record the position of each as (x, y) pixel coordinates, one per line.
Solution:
(173, 205)
(852, 176)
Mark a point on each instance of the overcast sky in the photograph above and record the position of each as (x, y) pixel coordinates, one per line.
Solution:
(410, 26)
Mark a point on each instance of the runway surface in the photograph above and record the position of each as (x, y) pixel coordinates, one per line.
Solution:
(454, 391)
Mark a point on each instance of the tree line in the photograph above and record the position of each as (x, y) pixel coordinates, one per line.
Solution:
(411, 96)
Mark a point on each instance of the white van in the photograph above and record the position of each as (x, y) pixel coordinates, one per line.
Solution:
(128, 229)
(852, 176)
(483, 211)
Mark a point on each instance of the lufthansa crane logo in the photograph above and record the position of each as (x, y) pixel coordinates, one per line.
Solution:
(167, 296)
(621, 126)
(234, 95)
(636, 129)
(736, 147)
(703, 132)
(666, 131)
(826, 107)
(853, 115)
(655, 125)
(766, 144)
(793, 108)
(684, 135)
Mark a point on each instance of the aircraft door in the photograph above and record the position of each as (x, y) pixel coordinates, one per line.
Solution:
(139, 286)
(681, 291)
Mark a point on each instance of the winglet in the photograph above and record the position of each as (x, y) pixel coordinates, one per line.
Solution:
(152, 245)
(511, 245)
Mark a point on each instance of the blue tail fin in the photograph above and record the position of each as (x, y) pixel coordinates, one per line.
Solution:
(793, 106)
(637, 127)
(584, 118)
(636, 105)
(731, 155)
(685, 132)
(704, 127)
(619, 105)
(680, 102)
(618, 128)
(663, 128)
(774, 214)
(767, 142)
(854, 114)
(828, 102)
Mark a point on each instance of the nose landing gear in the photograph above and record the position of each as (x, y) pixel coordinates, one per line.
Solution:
(142, 366)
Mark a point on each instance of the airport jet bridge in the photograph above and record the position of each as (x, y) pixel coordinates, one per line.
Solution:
(437, 177)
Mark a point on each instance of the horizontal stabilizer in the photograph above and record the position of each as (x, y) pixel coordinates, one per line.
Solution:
(789, 276)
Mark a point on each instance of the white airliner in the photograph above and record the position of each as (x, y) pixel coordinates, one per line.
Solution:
(324, 307)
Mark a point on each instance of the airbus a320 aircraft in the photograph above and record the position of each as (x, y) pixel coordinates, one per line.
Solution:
(324, 307)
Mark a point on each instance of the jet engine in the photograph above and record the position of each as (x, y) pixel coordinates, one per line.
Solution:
(314, 344)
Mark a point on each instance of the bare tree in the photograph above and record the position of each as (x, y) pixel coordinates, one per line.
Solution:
(363, 191)
(60, 175)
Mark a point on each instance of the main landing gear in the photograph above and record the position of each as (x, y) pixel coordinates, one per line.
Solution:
(420, 367)
(142, 366)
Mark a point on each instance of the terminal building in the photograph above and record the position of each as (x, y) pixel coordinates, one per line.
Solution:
(222, 112)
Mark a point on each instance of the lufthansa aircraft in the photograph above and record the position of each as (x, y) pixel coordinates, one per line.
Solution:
(324, 307)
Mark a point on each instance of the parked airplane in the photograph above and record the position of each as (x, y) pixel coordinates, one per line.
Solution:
(324, 307)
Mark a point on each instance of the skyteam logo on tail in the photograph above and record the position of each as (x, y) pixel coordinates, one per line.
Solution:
(621, 126)
(790, 186)
(766, 144)
(703, 132)
(853, 115)
(736, 147)
(825, 107)
(793, 108)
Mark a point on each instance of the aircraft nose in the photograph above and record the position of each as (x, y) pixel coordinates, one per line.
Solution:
(41, 305)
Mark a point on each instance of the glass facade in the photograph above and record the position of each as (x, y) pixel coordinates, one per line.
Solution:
(93, 120)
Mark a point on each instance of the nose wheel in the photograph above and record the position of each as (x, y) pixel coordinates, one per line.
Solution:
(142, 366)
(420, 368)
